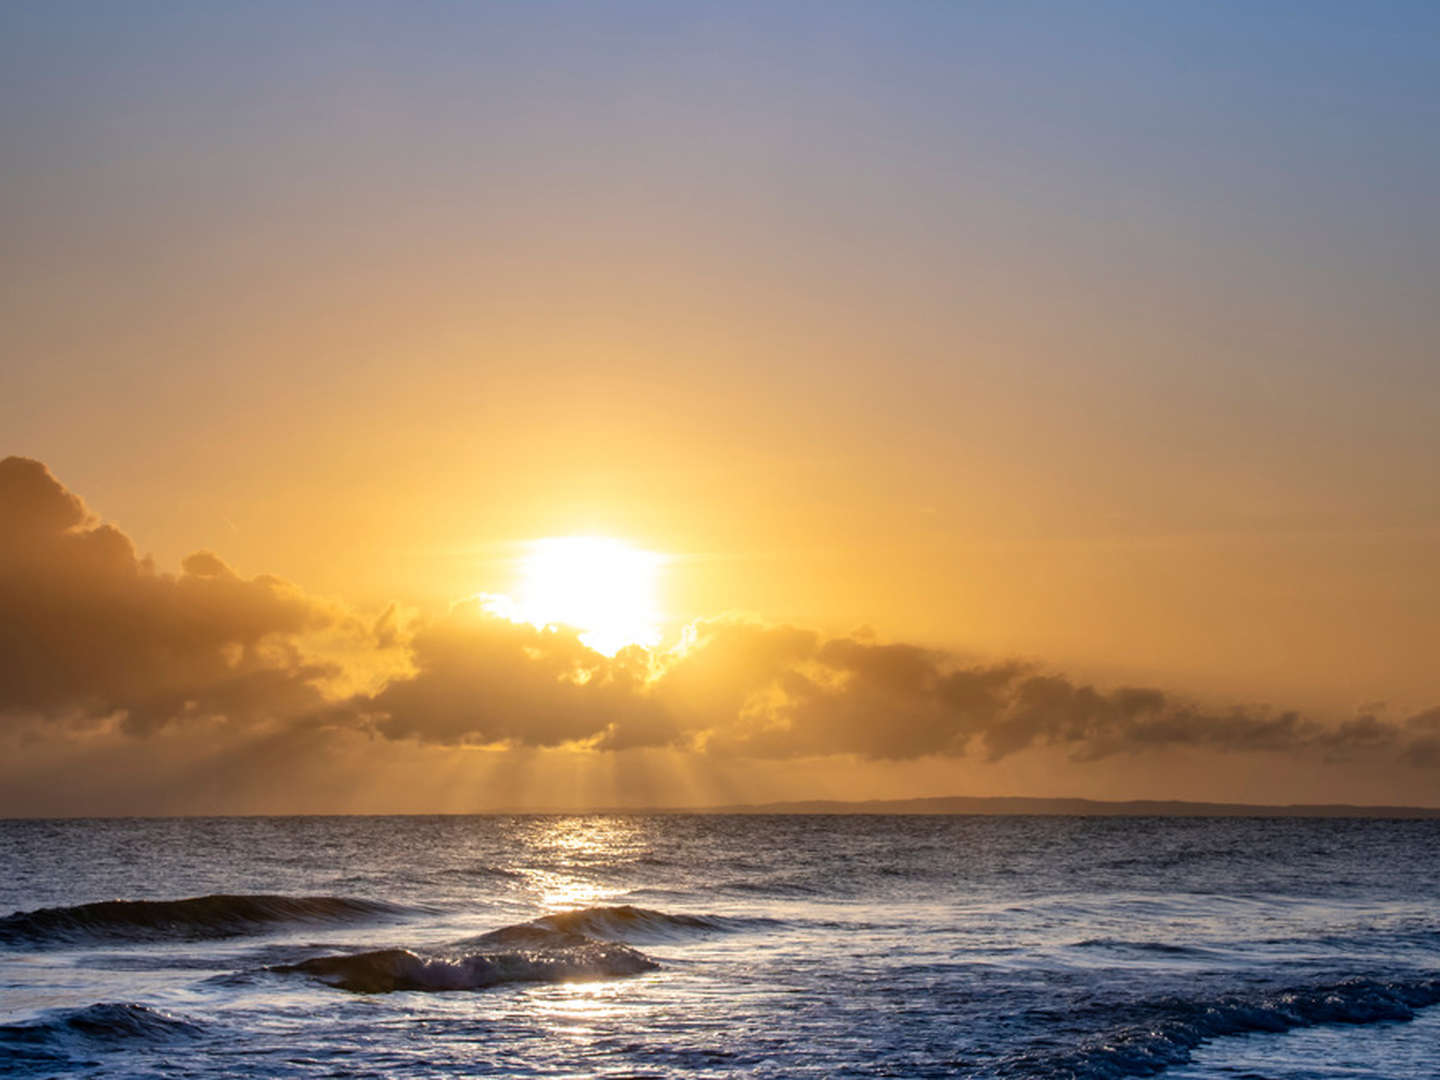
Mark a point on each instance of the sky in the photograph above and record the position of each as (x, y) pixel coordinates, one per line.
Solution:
(1020, 399)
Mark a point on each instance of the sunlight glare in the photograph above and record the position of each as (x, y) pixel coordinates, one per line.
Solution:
(602, 587)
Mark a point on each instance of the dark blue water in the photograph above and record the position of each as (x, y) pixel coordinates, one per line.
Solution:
(642, 946)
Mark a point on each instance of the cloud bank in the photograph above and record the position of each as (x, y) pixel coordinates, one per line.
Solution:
(89, 630)
(744, 688)
(92, 635)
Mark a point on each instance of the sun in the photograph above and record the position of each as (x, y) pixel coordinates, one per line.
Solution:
(603, 587)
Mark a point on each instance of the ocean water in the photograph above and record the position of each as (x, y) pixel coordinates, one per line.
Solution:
(677, 945)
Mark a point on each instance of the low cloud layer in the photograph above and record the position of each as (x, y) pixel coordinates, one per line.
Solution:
(743, 688)
(92, 635)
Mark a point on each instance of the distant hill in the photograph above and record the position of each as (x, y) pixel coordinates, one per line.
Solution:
(959, 804)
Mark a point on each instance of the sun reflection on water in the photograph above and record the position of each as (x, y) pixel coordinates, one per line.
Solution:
(574, 856)
(582, 1008)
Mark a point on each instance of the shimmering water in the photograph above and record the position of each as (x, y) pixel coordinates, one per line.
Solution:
(718, 946)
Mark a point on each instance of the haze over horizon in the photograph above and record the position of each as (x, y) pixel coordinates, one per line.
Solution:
(416, 407)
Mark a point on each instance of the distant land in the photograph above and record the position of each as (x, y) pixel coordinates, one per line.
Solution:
(999, 806)
(960, 804)
(995, 806)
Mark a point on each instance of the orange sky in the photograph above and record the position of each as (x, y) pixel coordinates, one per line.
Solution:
(1102, 345)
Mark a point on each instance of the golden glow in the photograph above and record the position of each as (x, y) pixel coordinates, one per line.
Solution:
(602, 587)
(571, 846)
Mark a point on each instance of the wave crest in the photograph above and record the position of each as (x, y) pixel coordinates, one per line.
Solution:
(588, 943)
(626, 923)
(1169, 1031)
(103, 1022)
(387, 970)
(194, 918)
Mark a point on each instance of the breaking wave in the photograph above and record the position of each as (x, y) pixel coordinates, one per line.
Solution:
(588, 943)
(1167, 1032)
(195, 918)
(387, 970)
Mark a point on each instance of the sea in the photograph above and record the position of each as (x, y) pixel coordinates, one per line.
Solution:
(721, 946)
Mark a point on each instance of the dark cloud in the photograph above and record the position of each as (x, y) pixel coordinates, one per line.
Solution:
(1424, 750)
(1364, 732)
(89, 629)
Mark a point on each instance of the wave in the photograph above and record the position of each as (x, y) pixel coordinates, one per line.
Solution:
(620, 923)
(481, 870)
(1167, 1032)
(625, 922)
(195, 918)
(588, 943)
(46, 1042)
(387, 970)
(773, 886)
(1158, 948)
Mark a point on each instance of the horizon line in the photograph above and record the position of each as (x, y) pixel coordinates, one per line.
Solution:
(926, 806)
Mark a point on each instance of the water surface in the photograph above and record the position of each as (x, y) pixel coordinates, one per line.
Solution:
(720, 946)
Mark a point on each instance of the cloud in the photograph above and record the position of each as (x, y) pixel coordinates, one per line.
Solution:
(88, 629)
(480, 678)
(1429, 720)
(899, 701)
(1423, 753)
(742, 688)
(93, 635)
